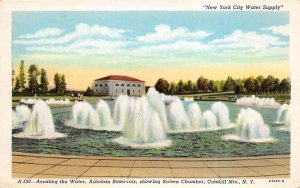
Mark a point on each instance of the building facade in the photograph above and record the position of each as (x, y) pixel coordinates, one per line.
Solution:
(115, 85)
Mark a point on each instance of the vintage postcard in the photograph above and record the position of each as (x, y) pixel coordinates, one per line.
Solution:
(162, 93)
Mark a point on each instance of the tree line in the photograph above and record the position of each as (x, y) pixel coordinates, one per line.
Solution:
(36, 81)
(249, 85)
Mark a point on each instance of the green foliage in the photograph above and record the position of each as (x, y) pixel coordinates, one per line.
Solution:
(20, 79)
(229, 84)
(43, 81)
(162, 85)
(172, 88)
(202, 84)
(180, 87)
(250, 85)
(33, 74)
(88, 92)
(60, 83)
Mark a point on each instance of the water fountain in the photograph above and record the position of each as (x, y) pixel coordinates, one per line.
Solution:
(194, 113)
(40, 124)
(144, 127)
(23, 113)
(122, 111)
(157, 104)
(258, 102)
(210, 121)
(222, 114)
(250, 128)
(15, 120)
(281, 115)
(178, 120)
(193, 120)
(84, 116)
(53, 101)
(104, 114)
(284, 118)
(288, 119)
(28, 101)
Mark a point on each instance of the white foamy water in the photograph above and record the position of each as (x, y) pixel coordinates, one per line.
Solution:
(222, 113)
(177, 116)
(53, 101)
(15, 120)
(193, 120)
(258, 102)
(144, 127)
(250, 128)
(48, 101)
(40, 124)
(284, 118)
(104, 114)
(23, 113)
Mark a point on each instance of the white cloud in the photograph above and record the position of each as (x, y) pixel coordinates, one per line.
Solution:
(164, 32)
(252, 41)
(46, 32)
(280, 29)
(86, 46)
(179, 47)
(81, 31)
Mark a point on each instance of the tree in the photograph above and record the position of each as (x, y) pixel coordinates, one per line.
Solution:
(172, 88)
(17, 87)
(63, 84)
(57, 82)
(276, 85)
(219, 85)
(88, 91)
(60, 83)
(268, 84)
(194, 88)
(258, 83)
(211, 86)
(33, 74)
(202, 84)
(285, 86)
(180, 87)
(239, 89)
(43, 81)
(20, 79)
(162, 85)
(229, 85)
(249, 84)
(189, 86)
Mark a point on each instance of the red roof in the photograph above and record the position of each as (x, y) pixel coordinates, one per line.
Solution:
(120, 77)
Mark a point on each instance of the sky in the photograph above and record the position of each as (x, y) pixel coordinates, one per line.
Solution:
(150, 45)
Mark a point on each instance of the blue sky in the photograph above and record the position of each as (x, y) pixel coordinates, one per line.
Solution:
(120, 41)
